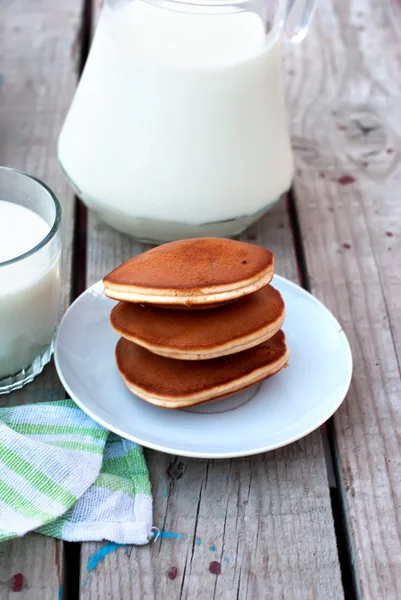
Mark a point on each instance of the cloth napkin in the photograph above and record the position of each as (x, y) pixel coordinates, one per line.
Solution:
(64, 475)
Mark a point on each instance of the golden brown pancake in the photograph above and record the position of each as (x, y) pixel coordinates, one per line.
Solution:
(187, 307)
(192, 272)
(202, 334)
(177, 384)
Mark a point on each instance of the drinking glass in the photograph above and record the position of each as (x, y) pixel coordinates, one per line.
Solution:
(30, 280)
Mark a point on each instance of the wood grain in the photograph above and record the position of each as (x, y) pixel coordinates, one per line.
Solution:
(37, 80)
(40, 560)
(267, 519)
(344, 90)
(39, 52)
(262, 518)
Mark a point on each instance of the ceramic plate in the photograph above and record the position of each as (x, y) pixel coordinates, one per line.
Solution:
(284, 408)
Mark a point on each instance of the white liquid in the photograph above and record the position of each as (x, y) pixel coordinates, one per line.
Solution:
(169, 127)
(29, 289)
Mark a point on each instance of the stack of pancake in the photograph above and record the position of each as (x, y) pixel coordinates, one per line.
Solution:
(198, 320)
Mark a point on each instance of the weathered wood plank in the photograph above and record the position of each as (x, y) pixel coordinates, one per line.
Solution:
(37, 79)
(345, 96)
(266, 519)
(41, 562)
(39, 47)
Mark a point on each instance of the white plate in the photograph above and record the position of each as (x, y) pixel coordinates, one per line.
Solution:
(285, 408)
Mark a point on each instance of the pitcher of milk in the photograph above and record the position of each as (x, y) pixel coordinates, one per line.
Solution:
(178, 127)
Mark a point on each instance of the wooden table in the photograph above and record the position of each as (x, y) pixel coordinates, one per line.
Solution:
(321, 518)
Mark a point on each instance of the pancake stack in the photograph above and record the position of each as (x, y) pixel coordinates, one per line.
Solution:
(198, 320)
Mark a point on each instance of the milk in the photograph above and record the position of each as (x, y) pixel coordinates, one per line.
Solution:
(167, 127)
(29, 289)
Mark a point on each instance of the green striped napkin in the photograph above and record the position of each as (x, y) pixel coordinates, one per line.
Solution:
(64, 475)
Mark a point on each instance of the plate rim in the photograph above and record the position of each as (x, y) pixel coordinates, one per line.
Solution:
(216, 455)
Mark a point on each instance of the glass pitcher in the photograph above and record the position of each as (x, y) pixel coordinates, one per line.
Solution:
(178, 127)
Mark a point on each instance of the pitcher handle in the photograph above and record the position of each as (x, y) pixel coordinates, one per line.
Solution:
(296, 19)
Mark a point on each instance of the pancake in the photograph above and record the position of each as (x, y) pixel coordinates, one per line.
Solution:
(178, 384)
(196, 272)
(202, 334)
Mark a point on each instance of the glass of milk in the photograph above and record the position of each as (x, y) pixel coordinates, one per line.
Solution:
(30, 244)
(178, 127)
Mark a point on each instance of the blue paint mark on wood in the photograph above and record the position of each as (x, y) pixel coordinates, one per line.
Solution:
(172, 535)
(60, 593)
(198, 541)
(97, 558)
(226, 560)
(212, 548)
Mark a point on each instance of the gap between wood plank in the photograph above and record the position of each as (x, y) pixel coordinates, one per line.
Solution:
(73, 550)
(72, 561)
(346, 551)
(80, 222)
(342, 527)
